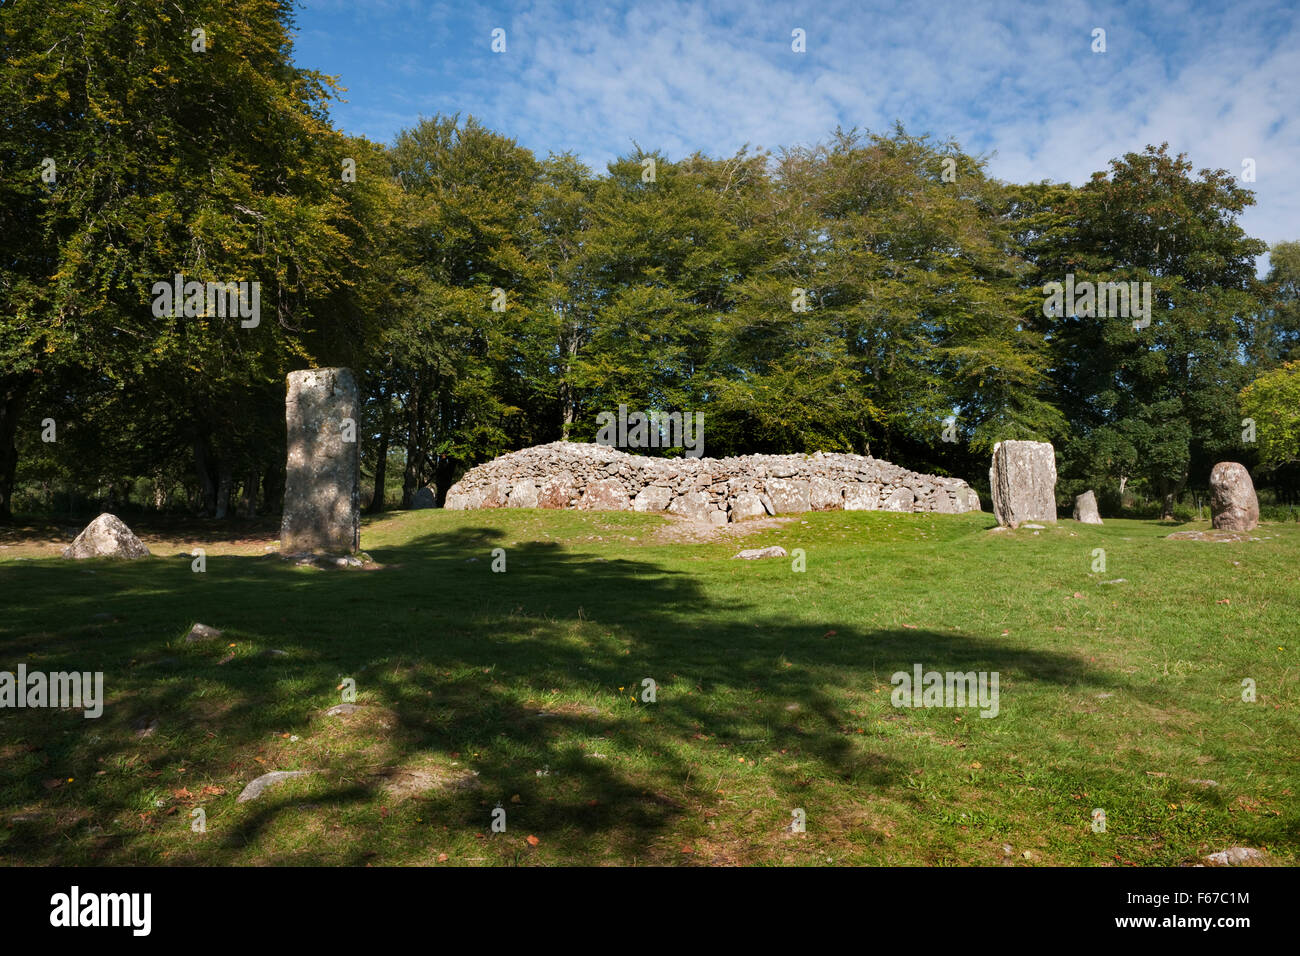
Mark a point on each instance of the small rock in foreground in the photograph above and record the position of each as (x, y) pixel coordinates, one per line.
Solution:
(258, 786)
(201, 632)
(1235, 855)
(753, 554)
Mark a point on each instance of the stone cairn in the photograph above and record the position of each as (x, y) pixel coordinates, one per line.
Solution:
(322, 489)
(717, 490)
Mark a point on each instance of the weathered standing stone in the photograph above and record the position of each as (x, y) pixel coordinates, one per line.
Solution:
(106, 537)
(1085, 509)
(1233, 505)
(425, 497)
(1023, 481)
(322, 489)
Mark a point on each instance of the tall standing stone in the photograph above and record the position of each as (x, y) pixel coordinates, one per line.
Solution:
(1233, 505)
(322, 489)
(1085, 509)
(1023, 482)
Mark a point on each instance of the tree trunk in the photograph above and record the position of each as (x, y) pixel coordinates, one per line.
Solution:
(225, 485)
(381, 475)
(273, 489)
(414, 444)
(12, 391)
(444, 472)
(203, 468)
(248, 502)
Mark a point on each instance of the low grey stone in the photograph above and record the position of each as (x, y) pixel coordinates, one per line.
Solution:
(425, 497)
(1235, 856)
(342, 710)
(201, 632)
(753, 554)
(257, 787)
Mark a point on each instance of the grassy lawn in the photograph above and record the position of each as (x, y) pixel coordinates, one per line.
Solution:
(523, 689)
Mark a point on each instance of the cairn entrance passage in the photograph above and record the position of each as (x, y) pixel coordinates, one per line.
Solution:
(322, 489)
(717, 490)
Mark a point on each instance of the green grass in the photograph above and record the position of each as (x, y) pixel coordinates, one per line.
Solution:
(523, 688)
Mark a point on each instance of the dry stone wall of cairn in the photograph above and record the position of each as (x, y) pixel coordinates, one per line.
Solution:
(717, 490)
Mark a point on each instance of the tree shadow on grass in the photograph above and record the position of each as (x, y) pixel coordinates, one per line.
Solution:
(526, 675)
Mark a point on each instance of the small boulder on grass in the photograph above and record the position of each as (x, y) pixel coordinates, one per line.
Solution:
(257, 787)
(753, 554)
(201, 632)
(106, 537)
(1236, 856)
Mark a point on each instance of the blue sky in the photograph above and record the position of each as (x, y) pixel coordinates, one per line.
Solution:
(1017, 81)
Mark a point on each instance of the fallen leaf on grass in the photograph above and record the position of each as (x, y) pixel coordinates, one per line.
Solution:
(532, 840)
(442, 858)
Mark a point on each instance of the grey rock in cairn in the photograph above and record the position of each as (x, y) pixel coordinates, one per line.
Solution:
(1085, 509)
(715, 490)
(1233, 504)
(1023, 482)
(322, 490)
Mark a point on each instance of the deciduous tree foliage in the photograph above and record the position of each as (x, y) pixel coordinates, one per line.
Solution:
(877, 292)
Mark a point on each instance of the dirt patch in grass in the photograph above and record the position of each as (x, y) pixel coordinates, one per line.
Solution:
(680, 530)
(418, 779)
